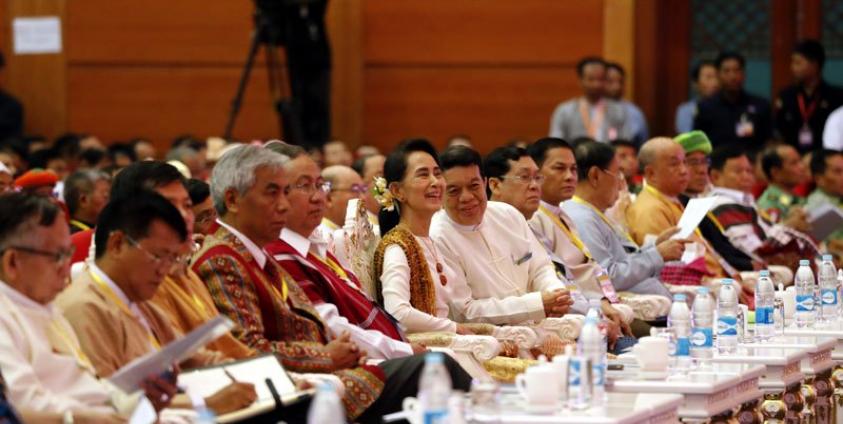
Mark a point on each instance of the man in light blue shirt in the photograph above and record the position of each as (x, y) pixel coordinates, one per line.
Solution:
(705, 83)
(615, 84)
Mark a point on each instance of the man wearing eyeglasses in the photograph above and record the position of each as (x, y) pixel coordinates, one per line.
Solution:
(345, 184)
(107, 306)
(45, 368)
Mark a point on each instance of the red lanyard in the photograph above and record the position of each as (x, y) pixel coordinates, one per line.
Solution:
(806, 112)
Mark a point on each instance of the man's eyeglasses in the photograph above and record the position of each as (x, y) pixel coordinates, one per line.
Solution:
(159, 260)
(526, 179)
(310, 188)
(60, 257)
(355, 188)
(698, 162)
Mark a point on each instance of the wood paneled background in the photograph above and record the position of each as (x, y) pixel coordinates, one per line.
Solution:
(492, 69)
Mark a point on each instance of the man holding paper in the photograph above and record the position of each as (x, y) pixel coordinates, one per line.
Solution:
(45, 369)
(657, 208)
(827, 169)
(137, 241)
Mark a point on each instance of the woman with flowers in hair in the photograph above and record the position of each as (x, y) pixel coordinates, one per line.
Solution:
(412, 279)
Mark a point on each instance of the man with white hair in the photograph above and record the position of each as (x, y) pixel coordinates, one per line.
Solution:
(250, 187)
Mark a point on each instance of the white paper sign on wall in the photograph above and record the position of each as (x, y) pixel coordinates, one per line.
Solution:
(37, 35)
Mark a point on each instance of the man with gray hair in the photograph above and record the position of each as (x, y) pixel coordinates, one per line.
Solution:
(250, 187)
(192, 159)
(85, 194)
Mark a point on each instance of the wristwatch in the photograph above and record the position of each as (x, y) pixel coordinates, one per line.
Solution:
(67, 418)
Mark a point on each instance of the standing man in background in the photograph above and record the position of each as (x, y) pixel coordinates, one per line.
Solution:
(704, 82)
(803, 108)
(592, 115)
(615, 87)
(733, 116)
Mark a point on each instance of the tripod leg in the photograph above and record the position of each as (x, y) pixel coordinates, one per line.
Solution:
(276, 88)
(241, 86)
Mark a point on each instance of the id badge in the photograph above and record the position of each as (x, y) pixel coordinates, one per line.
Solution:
(806, 138)
(744, 129)
(607, 287)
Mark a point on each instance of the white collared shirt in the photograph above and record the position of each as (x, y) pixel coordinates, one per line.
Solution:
(737, 196)
(38, 375)
(376, 344)
(254, 250)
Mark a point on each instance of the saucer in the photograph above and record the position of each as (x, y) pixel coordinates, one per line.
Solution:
(540, 409)
(653, 375)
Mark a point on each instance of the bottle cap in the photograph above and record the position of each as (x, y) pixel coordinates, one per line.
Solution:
(727, 281)
(702, 290)
(764, 273)
(433, 358)
(804, 262)
(678, 297)
(827, 257)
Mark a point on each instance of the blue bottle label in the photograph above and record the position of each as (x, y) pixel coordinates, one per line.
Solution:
(683, 346)
(435, 417)
(804, 303)
(829, 296)
(727, 326)
(701, 337)
(599, 374)
(574, 374)
(764, 315)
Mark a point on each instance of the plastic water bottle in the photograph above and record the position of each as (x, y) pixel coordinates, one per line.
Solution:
(804, 282)
(765, 298)
(434, 390)
(679, 323)
(326, 407)
(702, 321)
(827, 280)
(595, 351)
(592, 346)
(840, 290)
(727, 318)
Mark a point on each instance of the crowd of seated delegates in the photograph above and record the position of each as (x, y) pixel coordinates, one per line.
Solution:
(587, 213)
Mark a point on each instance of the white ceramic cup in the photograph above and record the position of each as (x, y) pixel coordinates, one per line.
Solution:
(539, 385)
(652, 353)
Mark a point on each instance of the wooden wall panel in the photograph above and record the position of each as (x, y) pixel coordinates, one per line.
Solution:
(469, 31)
(39, 81)
(159, 103)
(159, 31)
(492, 105)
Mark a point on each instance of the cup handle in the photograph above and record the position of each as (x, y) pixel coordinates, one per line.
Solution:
(521, 384)
(409, 405)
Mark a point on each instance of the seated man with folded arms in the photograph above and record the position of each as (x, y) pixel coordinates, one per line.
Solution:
(737, 218)
(138, 240)
(250, 188)
(510, 276)
(44, 367)
(334, 290)
(514, 178)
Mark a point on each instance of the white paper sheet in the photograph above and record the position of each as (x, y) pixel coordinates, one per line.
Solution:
(207, 381)
(144, 413)
(37, 35)
(130, 376)
(694, 213)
